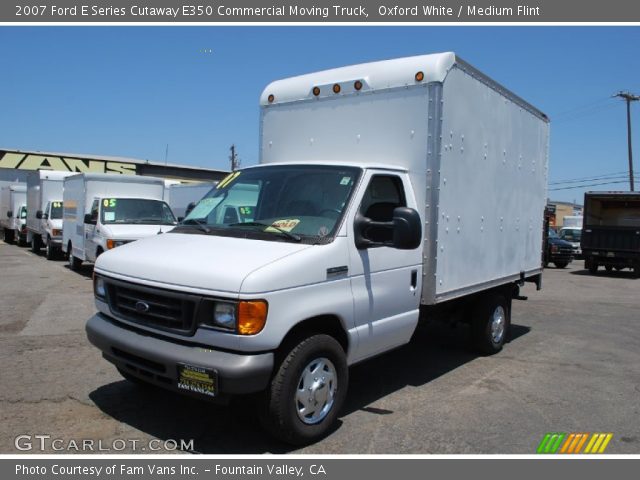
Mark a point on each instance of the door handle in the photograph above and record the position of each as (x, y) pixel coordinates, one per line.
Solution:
(414, 279)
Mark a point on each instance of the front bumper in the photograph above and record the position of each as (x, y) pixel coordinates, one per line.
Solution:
(155, 360)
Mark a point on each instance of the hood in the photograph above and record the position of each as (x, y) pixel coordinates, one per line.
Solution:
(132, 231)
(195, 261)
(559, 242)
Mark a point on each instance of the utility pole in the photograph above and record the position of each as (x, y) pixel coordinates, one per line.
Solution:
(233, 158)
(628, 97)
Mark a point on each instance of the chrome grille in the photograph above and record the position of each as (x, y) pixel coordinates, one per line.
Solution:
(151, 307)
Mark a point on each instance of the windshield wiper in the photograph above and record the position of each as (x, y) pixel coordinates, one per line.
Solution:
(201, 224)
(290, 235)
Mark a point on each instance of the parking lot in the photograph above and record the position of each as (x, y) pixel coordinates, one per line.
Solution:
(572, 366)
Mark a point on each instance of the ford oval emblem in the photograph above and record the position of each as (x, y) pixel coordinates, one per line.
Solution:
(142, 307)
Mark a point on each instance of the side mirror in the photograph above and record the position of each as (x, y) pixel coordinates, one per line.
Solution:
(9, 213)
(407, 229)
(89, 219)
(180, 219)
(190, 207)
(39, 214)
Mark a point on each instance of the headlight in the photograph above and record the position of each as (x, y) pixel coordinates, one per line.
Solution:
(554, 249)
(246, 317)
(224, 315)
(99, 288)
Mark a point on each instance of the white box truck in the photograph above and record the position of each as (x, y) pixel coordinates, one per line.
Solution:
(44, 211)
(387, 192)
(182, 198)
(13, 213)
(103, 211)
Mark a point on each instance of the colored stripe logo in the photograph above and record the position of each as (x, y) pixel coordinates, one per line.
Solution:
(574, 443)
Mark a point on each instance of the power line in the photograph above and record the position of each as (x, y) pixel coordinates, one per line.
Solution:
(587, 185)
(596, 176)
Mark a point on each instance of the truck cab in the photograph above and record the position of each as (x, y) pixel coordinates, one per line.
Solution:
(51, 225)
(116, 221)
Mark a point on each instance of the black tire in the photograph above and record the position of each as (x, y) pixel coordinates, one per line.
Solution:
(561, 264)
(36, 244)
(50, 251)
(593, 268)
(488, 332)
(608, 268)
(74, 262)
(636, 271)
(8, 235)
(280, 415)
(22, 239)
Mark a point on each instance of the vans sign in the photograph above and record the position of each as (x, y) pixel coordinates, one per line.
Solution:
(22, 161)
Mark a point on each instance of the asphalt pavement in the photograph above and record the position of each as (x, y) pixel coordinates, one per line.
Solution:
(573, 365)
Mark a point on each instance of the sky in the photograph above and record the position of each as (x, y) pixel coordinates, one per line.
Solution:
(187, 93)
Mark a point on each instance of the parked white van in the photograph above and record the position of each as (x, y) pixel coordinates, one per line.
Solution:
(103, 211)
(13, 213)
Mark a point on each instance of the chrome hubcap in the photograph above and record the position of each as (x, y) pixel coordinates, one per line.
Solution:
(316, 390)
(498, 321)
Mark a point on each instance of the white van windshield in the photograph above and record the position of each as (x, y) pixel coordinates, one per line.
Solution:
(135, 210)
(285, 202)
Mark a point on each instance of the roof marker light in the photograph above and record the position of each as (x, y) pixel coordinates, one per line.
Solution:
(357, 85)
(316, 91)
(336, 88)
(271, 98)
(419, 76)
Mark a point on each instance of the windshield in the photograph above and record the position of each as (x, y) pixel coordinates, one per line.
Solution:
(288, 202)
(571, 235)
(56, 211)
(135, 210)
(23, 212)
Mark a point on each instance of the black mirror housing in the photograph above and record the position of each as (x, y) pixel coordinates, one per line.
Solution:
(9, 213)
(39, 214)
(407, 228)
(89, 219)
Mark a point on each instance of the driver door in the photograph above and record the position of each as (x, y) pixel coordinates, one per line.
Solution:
(385, 281)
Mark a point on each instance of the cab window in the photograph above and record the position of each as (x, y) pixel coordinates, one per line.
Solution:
(383, 195)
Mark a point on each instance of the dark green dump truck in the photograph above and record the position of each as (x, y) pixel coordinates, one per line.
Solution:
(611, 231)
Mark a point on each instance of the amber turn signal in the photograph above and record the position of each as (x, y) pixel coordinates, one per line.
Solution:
(419, 76)
(252, 316)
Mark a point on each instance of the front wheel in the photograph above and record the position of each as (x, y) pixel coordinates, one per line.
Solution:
(74, 262)
(36, 244)
(307, 391)
(490, 324)
(561, 264)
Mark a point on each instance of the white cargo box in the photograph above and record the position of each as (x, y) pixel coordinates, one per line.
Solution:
(476, 153)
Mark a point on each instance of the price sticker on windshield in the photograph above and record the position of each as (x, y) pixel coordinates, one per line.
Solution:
(283, 225)
(109, 203)
(57, 204)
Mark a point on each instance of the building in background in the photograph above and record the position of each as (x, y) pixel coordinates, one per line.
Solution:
(16, 164)
(559, 210)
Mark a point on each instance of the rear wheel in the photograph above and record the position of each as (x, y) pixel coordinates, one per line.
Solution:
(22, 239)
(8, 235)
(592, 266)
(50, 250)
(490, 323)
(307, 391)
(561, 264)
(608, 268)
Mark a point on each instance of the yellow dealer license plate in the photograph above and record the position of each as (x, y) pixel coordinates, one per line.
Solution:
(198, 380)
